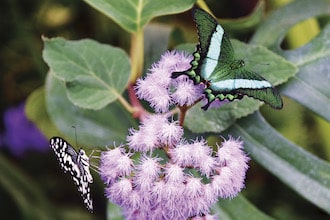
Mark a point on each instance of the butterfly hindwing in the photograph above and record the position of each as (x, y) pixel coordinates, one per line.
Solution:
(244, 82)
(77, 164)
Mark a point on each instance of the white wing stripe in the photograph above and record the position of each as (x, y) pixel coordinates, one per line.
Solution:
(242, 84)
(212, 56)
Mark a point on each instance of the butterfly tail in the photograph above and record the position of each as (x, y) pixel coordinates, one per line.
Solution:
(268, 95)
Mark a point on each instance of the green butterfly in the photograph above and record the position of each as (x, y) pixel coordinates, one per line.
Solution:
(225, 77)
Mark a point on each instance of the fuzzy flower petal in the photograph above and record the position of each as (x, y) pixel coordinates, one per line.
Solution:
(113, 164)
(186, 93)
(142, 140)
(174, 174)
(181, 155)
(120, 192)
(175, 61)
(147, 172)
(233, 165)
(194, 188)
(170, 133)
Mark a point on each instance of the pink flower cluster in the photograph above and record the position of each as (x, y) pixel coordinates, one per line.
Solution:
(161, 91)
(159, 174)
(164, 187)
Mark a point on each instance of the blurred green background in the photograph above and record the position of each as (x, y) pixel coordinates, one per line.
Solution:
(33, 165)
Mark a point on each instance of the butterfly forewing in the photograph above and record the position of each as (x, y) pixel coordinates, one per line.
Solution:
(206, 28)
(77, 164)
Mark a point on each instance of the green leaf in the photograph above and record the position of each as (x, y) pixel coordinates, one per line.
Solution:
(258, 59)
(94, 127)
(247, 23)
(232, 209)
(271, 33)
(133, 15)
(305, 173)
(95, 74)
(188, 47)
(114, 212)
(310, 86)
(35, 109)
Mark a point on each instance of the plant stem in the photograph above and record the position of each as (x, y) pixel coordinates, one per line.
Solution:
(137, 54)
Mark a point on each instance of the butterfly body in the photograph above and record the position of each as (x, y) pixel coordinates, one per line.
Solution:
(224, 76)
(77, 165)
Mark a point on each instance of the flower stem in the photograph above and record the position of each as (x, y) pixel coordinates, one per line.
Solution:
(138, 110)
(126, 105)
(137, 54)
(183, 110)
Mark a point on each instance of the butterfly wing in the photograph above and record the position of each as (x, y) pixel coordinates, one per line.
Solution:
(76, 164)
(243, 82)
(214, 46)
(65, 154)
(206, 26)
(255, 86)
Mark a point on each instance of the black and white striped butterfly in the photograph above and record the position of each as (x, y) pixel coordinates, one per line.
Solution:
(77, 164)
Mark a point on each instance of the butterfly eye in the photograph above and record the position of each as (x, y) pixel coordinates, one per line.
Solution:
(82, 152)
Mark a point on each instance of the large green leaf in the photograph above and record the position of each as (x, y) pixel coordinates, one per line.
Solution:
(35, 110)
(302, 171)
(133, 15)
(236, 208)
(94, 127)
(95, 74)
(310, 86)
(258, 59)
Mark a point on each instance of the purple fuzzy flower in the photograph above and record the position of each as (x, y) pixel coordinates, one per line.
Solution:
(159, 188)
(120, 162)
(155, 132)
(161, 91)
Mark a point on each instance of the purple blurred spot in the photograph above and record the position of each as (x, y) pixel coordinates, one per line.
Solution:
(21, 134)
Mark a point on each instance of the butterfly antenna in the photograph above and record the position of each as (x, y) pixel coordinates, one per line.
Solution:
(75, 134)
